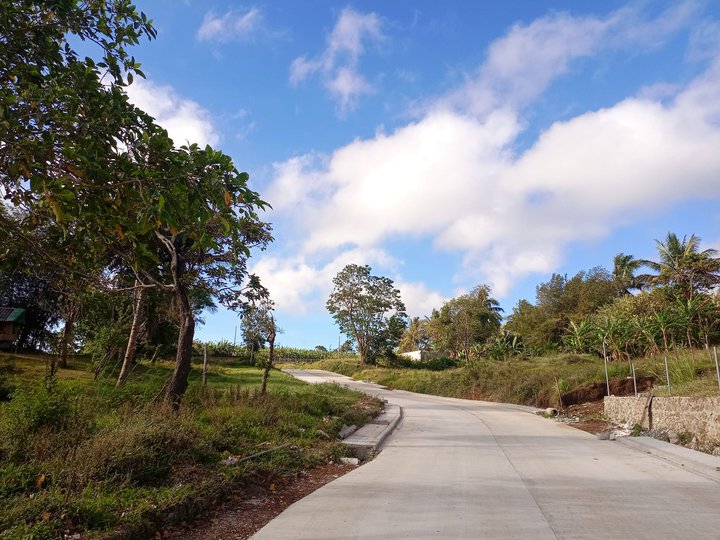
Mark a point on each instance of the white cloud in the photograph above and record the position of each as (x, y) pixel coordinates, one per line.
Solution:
(522, 64)
(338, 64)
(455, 176)
(184, 119)
(419, 300)
(232, 26)
(298, 286)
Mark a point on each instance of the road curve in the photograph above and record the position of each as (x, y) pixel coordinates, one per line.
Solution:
(470, 469)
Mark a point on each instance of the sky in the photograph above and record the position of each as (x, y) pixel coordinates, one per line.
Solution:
(445, 144)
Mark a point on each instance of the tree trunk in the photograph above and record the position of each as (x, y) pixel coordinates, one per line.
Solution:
(178, 382)
(67, 336)
(128, 361)
(271, 357)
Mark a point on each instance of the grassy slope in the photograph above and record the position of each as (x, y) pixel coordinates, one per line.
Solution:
(535, 381)
(85, 457)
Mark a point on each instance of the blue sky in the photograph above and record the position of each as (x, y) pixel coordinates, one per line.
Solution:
(446, 144)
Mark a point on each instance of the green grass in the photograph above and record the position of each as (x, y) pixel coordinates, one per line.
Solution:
(535, 381)
(78, 455)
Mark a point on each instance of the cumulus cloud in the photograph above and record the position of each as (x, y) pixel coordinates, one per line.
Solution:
(456, 177)
(418, 298)
(338, 63)
(231, 26)
(185, 120)
(299, 286)
(523, 63)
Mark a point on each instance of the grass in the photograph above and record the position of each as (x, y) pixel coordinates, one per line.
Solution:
(535, 381)
(76, 455)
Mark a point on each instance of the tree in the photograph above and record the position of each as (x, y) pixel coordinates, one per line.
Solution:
(77, 155)
(206, 225)
(471, 319)
(683, 267)
(368, 309)
(258, 321)
(415, 337)
(624, 268)
(61, 116)
(559, 301)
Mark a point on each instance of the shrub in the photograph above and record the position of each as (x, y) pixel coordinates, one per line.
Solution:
(47, 408)
(140, 450)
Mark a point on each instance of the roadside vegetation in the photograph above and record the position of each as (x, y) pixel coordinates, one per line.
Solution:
(537, 381)
(77, 455)
(545, 350)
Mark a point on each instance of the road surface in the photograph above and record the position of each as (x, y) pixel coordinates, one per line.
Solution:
(468, 469)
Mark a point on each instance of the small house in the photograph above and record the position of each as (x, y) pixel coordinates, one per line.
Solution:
(12, 321)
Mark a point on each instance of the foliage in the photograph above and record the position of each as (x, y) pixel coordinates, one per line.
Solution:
(560, 301)
(368, 309)
(464, 322)
(683, 268)
(416, 336)
(124, 203)
(95, 459)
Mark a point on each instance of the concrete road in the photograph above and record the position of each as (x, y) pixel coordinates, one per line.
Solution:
(467, 469)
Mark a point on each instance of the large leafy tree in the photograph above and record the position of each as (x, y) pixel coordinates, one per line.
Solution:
(62, 116)
(368, 309)
(559, 301)
(76, 154)
(466, 321)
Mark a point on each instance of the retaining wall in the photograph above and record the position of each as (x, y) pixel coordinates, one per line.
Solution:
(699, 416)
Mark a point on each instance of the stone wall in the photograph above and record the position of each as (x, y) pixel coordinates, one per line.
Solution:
(698, 416)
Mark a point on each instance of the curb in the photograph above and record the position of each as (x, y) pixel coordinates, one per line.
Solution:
(366, 441)
(699, 463)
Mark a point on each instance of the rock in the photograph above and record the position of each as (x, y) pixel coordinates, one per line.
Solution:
(604, 435)
(345, 431)
(673, 436)
(349, 461)
(716, 451)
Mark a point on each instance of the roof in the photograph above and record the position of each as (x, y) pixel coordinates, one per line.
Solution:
(15, 315)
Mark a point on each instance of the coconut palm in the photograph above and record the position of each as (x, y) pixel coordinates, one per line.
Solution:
(624, 268)
(684, 267)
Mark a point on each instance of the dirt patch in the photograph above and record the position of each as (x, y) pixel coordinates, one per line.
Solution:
(587, 417)
(242, 516)
(597, 391)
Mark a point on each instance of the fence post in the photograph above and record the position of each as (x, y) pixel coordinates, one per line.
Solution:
(205, 366)
(667, 376)
(607, 378)
(634, 378)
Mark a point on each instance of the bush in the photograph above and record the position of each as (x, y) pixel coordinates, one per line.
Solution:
(138, 451)
(47, 408)
(439, 364)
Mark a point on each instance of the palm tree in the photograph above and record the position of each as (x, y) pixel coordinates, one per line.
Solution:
(624, 268)
(684, 267)
(415, 337)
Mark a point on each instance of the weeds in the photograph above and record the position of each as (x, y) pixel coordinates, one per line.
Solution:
(79, 456)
